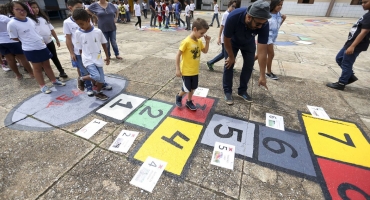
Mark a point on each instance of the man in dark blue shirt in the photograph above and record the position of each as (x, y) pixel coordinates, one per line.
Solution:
(241, 27)
(154, 15)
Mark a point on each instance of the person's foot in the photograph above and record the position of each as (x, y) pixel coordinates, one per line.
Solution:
(246, 97)
(106, 87)
(178, 100)
(352, 79)
(119, 57)
(101, 96)
(19, 77)
(58, 83)
(337, 85)
(5, 68)
(210, 66)
(90, 92)
(229, 99)
(166, 27)
(45, 90)
(80, 84)
(210, 25)
(63, 75)
(190, 105)
(218, 26)
(272, 76)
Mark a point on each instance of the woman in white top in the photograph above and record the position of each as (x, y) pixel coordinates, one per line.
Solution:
(46, 30)
(137, 13)
(22, 28)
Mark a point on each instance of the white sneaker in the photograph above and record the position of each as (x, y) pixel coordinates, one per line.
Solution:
(45, 90)
(5, 68)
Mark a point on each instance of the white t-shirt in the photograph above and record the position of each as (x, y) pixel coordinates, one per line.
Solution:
(223, 22)
(144, 6)
(26, 32)
(192, 6)
(137, 10)
(215, 8)
(126, 7)
(187, 10)
(4, 35)
(44, 29)
(69, 28)
(90, 44)
(167, 11)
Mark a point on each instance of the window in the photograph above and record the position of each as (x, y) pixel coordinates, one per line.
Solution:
(306, 1)
(356, 2)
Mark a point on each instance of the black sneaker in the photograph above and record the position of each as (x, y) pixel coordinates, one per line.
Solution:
(246, 97)
(80, 84)
(337, 85)
(178, 100)
(101, 96)
(272, 76)
(352, 79)
(190, 105)
(210, 66)
(210, 25)
(229, 99)
(63, 75)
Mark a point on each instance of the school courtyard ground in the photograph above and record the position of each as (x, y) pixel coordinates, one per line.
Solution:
(42, 157)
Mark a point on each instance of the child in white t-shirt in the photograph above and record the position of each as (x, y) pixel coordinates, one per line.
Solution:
(192, 8)
(22, 28)
(167, 14)
(187, 14)
(88, 42)
(216, 9)
(137, 11)
(127, 7)
(46, 30)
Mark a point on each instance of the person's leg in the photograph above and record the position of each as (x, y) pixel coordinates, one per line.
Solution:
(82, 71)
(219, 57)
(188, 22)
(213, 18)
(270, 56)
(10, 58)
(114, 43)
(248, 62)
(339, 57)
(37, 70)
(347, 67)
(218, 22)
(48, 71)
(139, 19)
(182, 21)
(107, 37)
(24, 62)
(227, 78)
(167, 22)
(51, 47)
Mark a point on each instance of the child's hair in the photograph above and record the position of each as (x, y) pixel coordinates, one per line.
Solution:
(3, 10)
(73, 2)
(80, 14)
(41, 12)
(25, 7)
(187, 2)
(200, 24)
(273, 4)
(215, 1)
(135, 1)
(231, 3)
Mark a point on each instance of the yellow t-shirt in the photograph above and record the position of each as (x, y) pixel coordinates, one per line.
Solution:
(190, 56)
(121, 9)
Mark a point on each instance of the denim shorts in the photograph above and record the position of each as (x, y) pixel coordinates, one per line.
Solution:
(96, 73)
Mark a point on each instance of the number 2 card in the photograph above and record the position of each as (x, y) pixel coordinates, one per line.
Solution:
(223, 155)
(124, 141)
(149, 173)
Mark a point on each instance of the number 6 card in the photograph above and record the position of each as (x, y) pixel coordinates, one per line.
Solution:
(223, 155)
(148, 174)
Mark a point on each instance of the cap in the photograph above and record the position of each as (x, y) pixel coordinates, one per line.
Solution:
(260, 9)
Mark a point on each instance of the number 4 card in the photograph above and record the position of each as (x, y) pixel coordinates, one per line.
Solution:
(148, 174)
(223, 155)
(124, 141)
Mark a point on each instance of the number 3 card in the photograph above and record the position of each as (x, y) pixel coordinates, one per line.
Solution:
(223, 155)
(148, 175)
(124, 141)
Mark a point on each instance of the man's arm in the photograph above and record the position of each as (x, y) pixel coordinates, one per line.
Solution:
(358, 39)
(262, 61)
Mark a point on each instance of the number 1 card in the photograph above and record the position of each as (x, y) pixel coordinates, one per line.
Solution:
(149, 173)
(223, 155)
(91, 128)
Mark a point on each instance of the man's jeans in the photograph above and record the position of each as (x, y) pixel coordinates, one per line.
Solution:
(346, 63)
(215, 15)
(110, 36)
(167, 21)
(219, 56)
(153, 15)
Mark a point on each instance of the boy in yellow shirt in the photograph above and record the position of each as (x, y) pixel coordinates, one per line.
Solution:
(189, 50)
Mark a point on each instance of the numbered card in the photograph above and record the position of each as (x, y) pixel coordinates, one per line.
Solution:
(148, 175)
(124, 141)
(318, 112)
(223, 155)
(91, 128)
(275, 121)
(201, 92)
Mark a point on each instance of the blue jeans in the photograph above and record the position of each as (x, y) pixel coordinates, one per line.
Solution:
(83, 71)
(219, 56)
(177, 16)
(167, 21)
(110, 36)
(248, 62)
(215, 15)
(346, 63)
(96, 73)
(128, 16)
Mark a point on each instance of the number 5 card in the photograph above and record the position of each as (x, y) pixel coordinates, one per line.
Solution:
(223, 155)
(148, 175)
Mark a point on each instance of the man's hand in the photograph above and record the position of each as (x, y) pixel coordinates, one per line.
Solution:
(350, 50)
(229, 62)
(73, 57)
(107, 61)
(219, 41)
(207, 38)
(262, 81)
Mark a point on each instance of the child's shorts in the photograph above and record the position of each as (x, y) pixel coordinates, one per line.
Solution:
(11, 48)
(37, 56)
(272, 37)
(159, 18)
(79, 65)
(96, 73)
(189, 83)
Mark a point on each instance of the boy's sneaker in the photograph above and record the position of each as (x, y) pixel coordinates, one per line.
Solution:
(90, 93)
(80, 84)
(178, 100)
(190, 105)
(210, 25)
(210, 66)
(63, 75)
(229, 99)
(101, 96)
(45, 90)
(5, 68)
(272, 76)
(246, 97)
(337, 85)
(58, 83)
(352, 79)
(106, 87)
